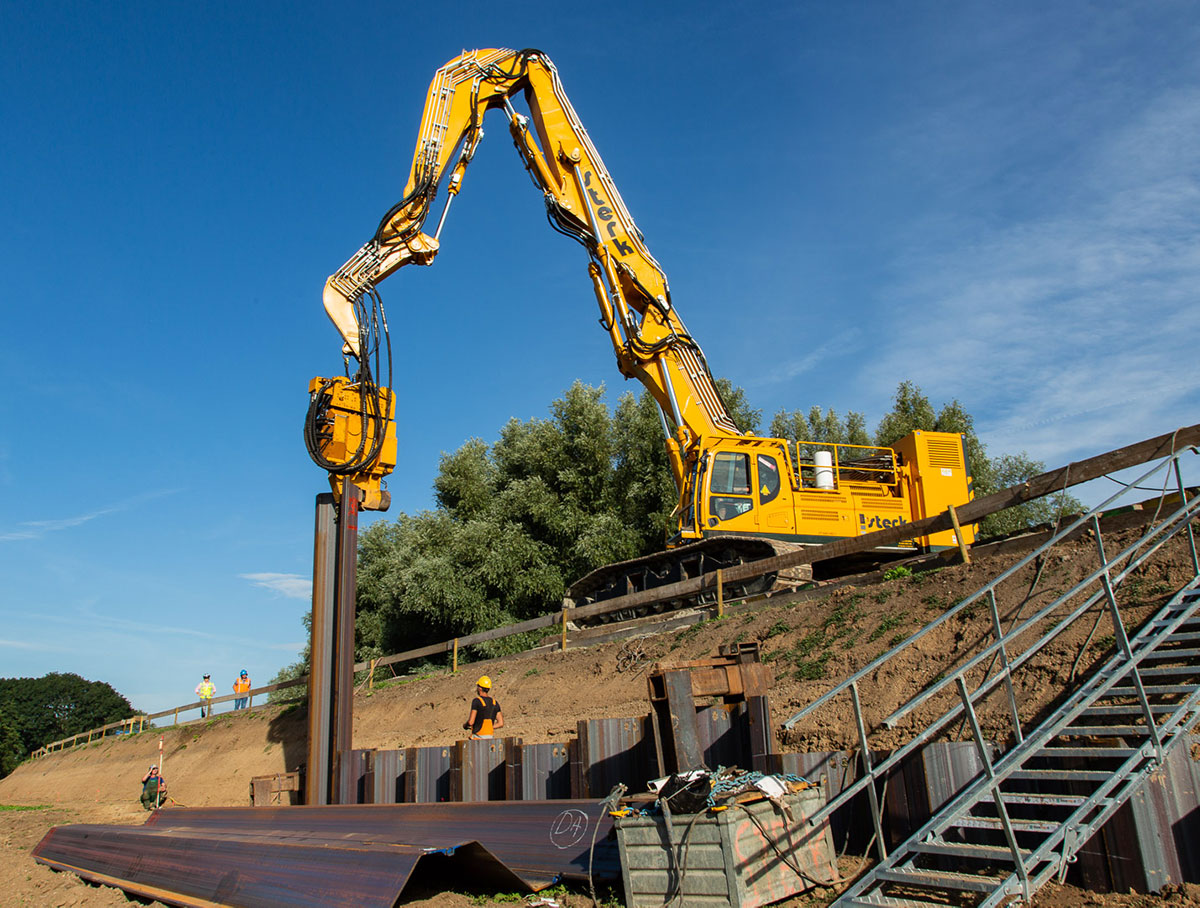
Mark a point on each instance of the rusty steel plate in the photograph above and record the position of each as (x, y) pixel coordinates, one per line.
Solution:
(337, 855)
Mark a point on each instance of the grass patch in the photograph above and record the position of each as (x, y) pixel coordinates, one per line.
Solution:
(688, 633)
(532, 672)
(887, 624)
(779, 627)
(937, 603)
(16, 808)
(811, 669)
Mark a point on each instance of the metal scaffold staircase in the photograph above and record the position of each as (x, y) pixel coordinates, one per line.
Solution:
(1048, 783)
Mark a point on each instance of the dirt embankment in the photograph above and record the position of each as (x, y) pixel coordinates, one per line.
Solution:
(810, 644)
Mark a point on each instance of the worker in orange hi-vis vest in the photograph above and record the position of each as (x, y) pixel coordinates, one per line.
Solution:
(485, 715)
(241, 685)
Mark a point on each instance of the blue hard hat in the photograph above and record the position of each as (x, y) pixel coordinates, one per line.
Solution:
(244, 672)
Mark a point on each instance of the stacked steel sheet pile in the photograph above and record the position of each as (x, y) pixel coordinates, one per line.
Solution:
(354, 855)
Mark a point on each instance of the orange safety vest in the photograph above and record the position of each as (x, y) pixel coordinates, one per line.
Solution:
(485, 714)
(241, 686)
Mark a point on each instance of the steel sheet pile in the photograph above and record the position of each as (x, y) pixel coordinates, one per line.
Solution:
(357, 855)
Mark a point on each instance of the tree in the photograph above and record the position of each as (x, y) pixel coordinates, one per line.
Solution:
(12, 748)
(820, 426)
(642, 489)
(57, 705)
(745, 417)
(1010, 470)
(912, 411)
(552, 499)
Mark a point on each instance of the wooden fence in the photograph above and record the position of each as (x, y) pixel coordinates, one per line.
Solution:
(973, 511)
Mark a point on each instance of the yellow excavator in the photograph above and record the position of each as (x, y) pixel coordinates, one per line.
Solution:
(741, 497)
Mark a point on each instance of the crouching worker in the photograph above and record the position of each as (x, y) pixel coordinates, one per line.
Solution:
(485, 715)
(154, 789)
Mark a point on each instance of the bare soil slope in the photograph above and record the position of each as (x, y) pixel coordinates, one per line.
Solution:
(811, 645)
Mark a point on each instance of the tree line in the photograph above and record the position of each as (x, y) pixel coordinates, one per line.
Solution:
(37, 711)
(517, 521)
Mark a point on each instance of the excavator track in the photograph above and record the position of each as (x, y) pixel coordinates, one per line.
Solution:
(692, 560)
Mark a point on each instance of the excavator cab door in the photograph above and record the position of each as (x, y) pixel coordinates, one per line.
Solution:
(731, 494)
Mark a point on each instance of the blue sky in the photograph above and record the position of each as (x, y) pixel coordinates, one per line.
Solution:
(997, 201)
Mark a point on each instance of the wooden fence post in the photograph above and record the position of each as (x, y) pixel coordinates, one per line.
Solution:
(566, 609)
(958, 536)
(720, 595)
(454, 659)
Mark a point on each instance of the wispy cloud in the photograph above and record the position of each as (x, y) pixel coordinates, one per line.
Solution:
(1073, 328)
(293, 586)
(37, 529)
(23, 644)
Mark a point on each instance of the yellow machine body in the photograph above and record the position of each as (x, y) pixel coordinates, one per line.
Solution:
(768, 487)
(357, 434)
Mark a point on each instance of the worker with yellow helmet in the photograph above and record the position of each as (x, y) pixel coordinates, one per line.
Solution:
(485, 715)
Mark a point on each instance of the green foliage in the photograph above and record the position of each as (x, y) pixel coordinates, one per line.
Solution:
(1010, 470)
(551, 500)
(554, 498)
(12, 748)
(822, 426)
(37, 711)
(290, 673)
(911, 410)
(19, 807)
(746, 418)
(779, 627)
(889, 623)
(895, 573)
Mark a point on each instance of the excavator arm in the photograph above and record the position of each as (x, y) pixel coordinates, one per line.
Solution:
(648, 337)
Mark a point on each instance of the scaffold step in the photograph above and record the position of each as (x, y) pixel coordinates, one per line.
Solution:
(878, 900)
(1041, 800)
(938, 879)
(1060, 775)
(1151, 690)
(992, 853)
(1161, 653)
(970, 822)
(1091, 753)
(1131, 709)
(1105, 731)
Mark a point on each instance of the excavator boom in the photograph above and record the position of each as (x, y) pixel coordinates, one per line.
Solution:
(737, 493)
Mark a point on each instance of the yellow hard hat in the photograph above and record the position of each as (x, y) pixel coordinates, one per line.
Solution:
(485, 682)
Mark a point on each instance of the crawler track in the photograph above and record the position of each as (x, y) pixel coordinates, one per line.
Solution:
(705, 556)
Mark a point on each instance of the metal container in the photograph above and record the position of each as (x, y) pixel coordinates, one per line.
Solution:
(746, 855)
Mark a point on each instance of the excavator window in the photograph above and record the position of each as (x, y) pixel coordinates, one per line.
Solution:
(768, 479)
(730, 476)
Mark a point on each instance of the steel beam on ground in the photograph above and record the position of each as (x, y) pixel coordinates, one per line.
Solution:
(337, 855)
